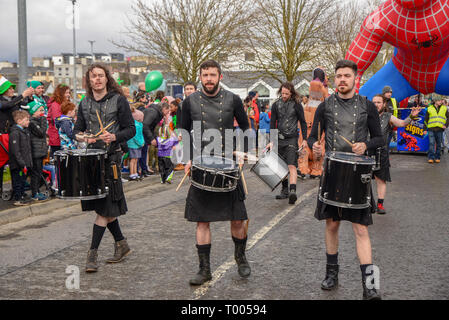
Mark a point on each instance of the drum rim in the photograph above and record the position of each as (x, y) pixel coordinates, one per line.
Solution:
(94, 197)
(92, 152)
(371, 162)
(344, 205)
(212, 189)
(197, 165)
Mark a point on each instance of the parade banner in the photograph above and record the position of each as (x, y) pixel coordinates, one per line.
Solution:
(412, 138)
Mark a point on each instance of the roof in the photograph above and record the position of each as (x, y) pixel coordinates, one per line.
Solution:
(245, 79)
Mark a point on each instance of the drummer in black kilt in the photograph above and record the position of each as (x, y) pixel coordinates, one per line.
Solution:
(387, 122)
(213, 108)
(105, 101)
(346, 115)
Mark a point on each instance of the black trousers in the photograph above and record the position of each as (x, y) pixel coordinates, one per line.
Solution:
(18, 183)
(36, 175)
(165, 167)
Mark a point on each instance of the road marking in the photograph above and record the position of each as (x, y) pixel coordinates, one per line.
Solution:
(221, 270)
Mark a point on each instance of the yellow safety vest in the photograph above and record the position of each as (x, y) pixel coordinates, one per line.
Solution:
(436, 120)
(395, 107)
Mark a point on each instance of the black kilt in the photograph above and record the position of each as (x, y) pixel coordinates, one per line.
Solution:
(384, 172)
(287, 149)
(360, 216)
(114, 204)
(207, 206)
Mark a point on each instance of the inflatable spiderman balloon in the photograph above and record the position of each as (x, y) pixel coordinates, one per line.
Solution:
(419, 31)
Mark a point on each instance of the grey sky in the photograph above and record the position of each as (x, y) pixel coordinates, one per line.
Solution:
(48, 34)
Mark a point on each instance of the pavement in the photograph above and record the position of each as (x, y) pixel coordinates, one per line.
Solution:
(286, 248)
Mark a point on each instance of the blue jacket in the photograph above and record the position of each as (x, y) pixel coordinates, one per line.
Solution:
(264, 122)
(137, 141)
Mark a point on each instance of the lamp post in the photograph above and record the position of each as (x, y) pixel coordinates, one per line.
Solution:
(74, 52)
(23, 45)
(92, 49)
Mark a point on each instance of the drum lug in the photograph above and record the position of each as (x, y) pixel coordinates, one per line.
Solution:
(365, 178)
(106, 189)
(326, 194)
(350, 200)
(63, 193)
(98, 191)
(355, 167)
(81, 193)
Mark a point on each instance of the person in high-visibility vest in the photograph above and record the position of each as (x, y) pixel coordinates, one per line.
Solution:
(435, 123)
(392, 107)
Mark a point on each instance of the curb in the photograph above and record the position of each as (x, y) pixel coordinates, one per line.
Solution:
(36, 209)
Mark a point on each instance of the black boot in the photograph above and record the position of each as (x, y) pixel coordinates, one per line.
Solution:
(331, 280)
(283, 194)
(239, 254)
(369, 294)
(204, 273)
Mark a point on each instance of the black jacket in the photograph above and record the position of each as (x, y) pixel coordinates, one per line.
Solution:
(19, 149)
(7, 107)
(38, 132)
(151, 117)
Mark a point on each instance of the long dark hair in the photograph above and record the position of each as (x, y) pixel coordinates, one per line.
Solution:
(290, 87)
(111, 86)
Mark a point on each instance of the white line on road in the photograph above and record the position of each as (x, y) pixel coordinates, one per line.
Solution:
(218, 274)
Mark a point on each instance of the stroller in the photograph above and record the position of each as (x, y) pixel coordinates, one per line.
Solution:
(4, 158)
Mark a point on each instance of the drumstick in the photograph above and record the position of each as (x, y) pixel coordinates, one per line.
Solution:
(99, 120)
(246, 227)
(346, 140)
(245, 187)
(182, 181)
(104, 129)
(319, 133)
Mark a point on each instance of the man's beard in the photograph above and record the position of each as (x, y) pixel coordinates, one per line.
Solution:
(347, 90)
(214, 89)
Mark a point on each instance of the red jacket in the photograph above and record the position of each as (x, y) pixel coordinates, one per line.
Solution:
(256, 111)
(54, 111)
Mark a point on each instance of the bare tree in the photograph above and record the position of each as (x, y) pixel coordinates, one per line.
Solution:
(286, 36)
(186, 32)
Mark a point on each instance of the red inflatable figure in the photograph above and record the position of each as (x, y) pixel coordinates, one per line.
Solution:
(419, 30)
(410, 142)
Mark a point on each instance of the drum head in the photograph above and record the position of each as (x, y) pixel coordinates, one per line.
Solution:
(210, 162)
(347, 157)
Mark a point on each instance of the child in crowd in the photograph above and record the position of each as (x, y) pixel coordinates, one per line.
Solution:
(65, 125)
(264, 124)
(39, 148)
(166, 141)
(135, 144)
(20, 155)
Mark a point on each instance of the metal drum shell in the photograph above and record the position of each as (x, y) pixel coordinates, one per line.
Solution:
(271, 169)
(217, 178)
(80, 174)
(346, 183)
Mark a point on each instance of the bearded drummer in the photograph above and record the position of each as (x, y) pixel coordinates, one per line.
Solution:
(105, 106)
(214, 109)
(352, 116)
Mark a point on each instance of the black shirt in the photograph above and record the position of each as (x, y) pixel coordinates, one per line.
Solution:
(373, 122)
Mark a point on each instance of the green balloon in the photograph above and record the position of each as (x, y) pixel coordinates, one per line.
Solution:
(153, 81)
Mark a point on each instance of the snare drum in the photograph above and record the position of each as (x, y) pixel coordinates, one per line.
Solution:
(346, 180)
(271, 169)
(81, 174)
(214, 174)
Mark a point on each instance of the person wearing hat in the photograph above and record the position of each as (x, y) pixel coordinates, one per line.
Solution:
(8, 104)
(38, 95)
(39, 148)
(436, 121)
(392, 107)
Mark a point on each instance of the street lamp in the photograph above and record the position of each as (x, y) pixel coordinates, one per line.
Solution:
(74, 52)
(23, 46)
(92, 49)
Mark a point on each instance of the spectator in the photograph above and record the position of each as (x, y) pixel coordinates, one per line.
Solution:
(38, 95)
(436, 121)
(141, 104)
(61, 94)
(65, 124)
(39, 148)
(9, 103)
(166, 141)
(20, 156)
(189, 88)
(135, 144)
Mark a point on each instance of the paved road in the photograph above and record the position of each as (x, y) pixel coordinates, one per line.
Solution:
(286, 247)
